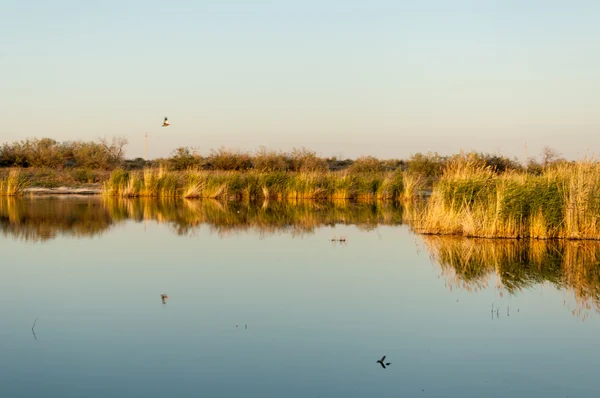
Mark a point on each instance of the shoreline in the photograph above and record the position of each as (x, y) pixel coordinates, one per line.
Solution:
(41, 191)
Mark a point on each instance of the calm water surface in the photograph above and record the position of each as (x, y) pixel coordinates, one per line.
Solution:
(263, 304)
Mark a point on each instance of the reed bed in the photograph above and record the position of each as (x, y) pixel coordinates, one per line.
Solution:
(14, 183)
(252, 185)
(472, 264)
(471, 200)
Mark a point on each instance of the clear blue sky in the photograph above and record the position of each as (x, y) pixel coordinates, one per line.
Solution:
(347, 78)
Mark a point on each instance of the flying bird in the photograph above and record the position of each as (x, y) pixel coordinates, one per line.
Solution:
(383, 365)
(164, 298)
(166, 122)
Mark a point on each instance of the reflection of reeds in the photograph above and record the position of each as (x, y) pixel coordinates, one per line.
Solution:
(13, 184)
(267, 217)
(471, 200)
(518, 264)
(44, 218)
(252, 185)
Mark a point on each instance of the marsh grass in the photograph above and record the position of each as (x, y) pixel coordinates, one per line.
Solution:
(253, 185)
(471, 200)
(14, 183)
(472, 264)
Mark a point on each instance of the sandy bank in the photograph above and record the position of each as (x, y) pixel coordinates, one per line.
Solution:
(93, 190)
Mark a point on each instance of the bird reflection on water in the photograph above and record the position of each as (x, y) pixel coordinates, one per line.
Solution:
(382, 363)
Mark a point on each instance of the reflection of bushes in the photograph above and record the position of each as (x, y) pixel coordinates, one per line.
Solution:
(520, 264)
(45, 218)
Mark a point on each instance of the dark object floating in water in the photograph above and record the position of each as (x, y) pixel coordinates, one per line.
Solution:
(164, 298)
(383, 365)
(340, 239)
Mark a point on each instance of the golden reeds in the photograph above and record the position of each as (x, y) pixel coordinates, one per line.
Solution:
(14, 184)
(253, 185)
(471, 200)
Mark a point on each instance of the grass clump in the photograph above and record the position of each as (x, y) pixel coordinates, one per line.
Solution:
(14, 184)
(255, 185)
(472, 200)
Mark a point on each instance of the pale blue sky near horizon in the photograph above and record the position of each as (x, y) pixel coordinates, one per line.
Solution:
(344, 78)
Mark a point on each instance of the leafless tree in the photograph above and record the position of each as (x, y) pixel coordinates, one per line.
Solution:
(115, 148)
(549, 156)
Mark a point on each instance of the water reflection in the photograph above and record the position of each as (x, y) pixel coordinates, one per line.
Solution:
(470, 264)
(46, 218)
(39, 219)
(517, 265)
(286, 317)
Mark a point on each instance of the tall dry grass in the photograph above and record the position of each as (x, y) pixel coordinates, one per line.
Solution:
(471, 200)
(14, 184)
(252, 185)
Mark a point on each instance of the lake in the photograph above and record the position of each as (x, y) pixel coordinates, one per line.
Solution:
(262, 303)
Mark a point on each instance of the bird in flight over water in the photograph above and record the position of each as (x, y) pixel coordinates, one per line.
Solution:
(383, 365)
(166, 122)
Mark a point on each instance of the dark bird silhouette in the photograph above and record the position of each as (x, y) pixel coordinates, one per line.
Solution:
(383, 365)
(166, 122)
(164, 298)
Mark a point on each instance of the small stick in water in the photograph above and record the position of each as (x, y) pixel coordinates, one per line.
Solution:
(33, 329)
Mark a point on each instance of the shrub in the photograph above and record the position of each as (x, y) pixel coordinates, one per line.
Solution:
(366, 164)
(306, 160)
(267, 160)
(227, 159)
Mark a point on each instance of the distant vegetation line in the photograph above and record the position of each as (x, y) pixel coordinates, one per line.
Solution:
(105, 155)
(472, 194)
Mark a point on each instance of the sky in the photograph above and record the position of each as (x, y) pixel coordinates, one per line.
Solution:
(387, 78)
